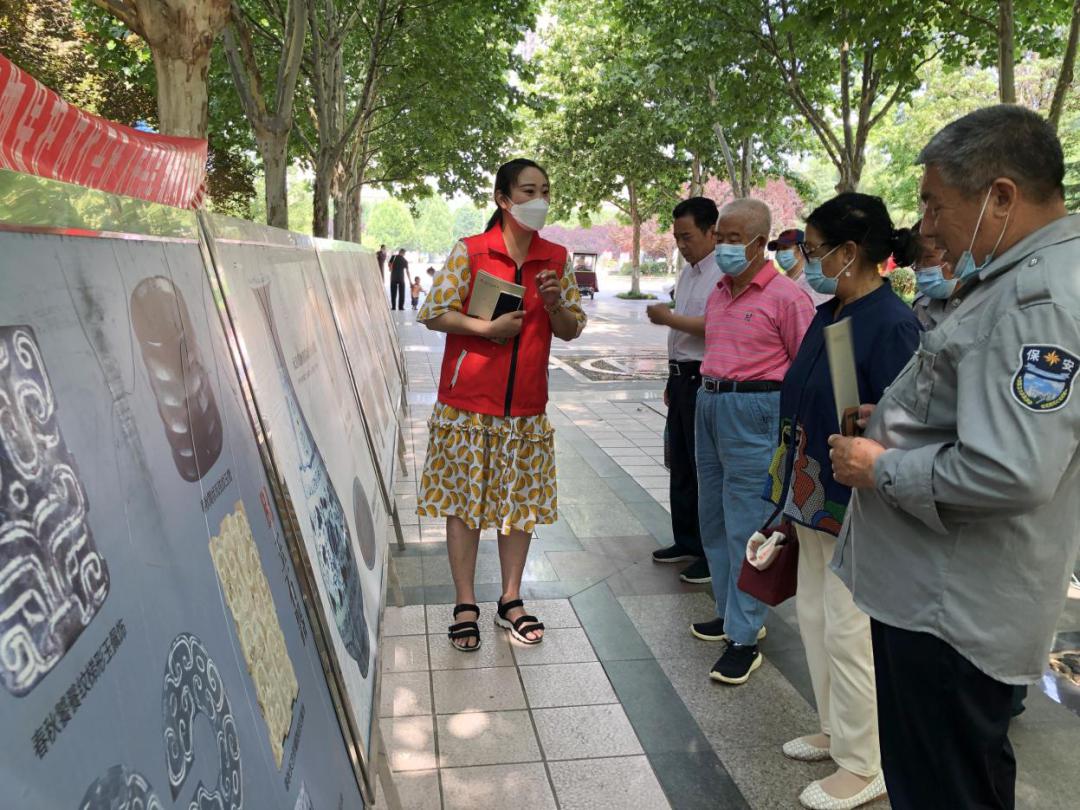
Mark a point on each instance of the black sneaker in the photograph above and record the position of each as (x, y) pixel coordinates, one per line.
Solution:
(671, 554)
(712, 630)
(697, 573)
(736, 664)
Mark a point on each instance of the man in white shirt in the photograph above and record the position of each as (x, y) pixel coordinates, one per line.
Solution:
(694, 228)
(789, 258)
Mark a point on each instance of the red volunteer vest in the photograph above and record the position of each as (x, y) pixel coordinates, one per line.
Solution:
(511, 379)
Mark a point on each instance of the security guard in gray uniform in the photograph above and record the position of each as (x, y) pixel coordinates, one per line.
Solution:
(961, 534)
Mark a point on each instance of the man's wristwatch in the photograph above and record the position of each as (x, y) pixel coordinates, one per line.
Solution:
(555, 308)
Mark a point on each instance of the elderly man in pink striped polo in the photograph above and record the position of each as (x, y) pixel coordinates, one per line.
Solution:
(754, 322)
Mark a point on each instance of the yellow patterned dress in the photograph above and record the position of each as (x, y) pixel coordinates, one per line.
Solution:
(490, 471)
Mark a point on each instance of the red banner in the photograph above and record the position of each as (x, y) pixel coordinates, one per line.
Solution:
(43, 135)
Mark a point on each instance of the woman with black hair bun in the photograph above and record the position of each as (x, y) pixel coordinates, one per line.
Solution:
(846, 239)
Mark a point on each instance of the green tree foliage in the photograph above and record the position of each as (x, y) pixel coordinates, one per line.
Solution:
(51, 40)
(434, 226)
(700, 76)
(603, 135)
(468, 220)
(393, 110)
(391, 224)
(946, 94)
(991, 34)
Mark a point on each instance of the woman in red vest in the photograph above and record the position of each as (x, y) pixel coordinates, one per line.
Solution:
(491, 457)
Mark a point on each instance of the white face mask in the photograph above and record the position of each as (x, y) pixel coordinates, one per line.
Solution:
(530, 215)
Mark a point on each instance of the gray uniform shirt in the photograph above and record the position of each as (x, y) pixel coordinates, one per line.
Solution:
(970, 532)
(931, 311)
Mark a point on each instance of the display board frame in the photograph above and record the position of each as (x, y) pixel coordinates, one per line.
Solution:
(359, 753)
(125, 219)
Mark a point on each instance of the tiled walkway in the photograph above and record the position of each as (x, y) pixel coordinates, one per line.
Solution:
(613, 709)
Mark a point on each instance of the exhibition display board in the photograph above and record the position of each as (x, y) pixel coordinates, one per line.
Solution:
(195, 416)
(308, 410)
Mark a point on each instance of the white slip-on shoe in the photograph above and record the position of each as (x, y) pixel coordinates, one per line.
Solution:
(815, 798)
(803, 751)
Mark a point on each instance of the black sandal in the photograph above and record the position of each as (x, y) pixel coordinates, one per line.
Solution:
(463, 630)
(521, 625)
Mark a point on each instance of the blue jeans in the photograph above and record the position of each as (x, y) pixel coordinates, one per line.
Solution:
(736, 435)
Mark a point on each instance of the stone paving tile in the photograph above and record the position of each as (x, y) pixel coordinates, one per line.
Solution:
(607, 784)
(405, 694)
(766, 709)
(494, 652)
(410, 742)
(583, 564)
(483, 689)
(497, 787)
(418, 790)
(404, 654)
(649, 578)
(584, 732)
(404, 621)
(560, 646)
(664, 622)
(769, 780)
(550, 685)
(486, 738)
(587, 523)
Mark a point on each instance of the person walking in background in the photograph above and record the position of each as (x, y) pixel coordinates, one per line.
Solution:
(491, 455)
(846, 239)
(381, 258)
(414, 291)
(755, 319)
(788, 255)
(960, 538)
(399, 266)
(694, 227)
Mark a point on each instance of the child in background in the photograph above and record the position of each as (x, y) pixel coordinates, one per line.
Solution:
(415, 291)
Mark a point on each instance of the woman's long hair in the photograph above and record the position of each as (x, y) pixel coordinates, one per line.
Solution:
(505, 180)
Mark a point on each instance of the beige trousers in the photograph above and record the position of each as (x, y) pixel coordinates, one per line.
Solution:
(836, 635)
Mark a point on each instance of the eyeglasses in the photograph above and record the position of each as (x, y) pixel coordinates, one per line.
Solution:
(808, 250)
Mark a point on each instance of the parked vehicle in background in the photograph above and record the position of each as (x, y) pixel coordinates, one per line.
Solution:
(585, 273)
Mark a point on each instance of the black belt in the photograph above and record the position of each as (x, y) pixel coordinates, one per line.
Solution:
(677, 368)
(716, 386)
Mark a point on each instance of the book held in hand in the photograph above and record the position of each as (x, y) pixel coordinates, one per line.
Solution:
(841, 354)
(492, 297)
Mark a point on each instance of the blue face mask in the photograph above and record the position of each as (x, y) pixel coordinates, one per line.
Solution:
(966, 267)
(786, 259)
(731, 259)
(816, 278)
(933, 284)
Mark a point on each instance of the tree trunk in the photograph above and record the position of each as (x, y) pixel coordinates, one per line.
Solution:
(180, 34)
(271, 126)
(746, 168)
(183, 105)
(696, 186)
(850, 169)
(1068, 67)
(320, 218)
(341, 214)
(355, 214)
(1006, 52)
(274, 150)
(635, 249)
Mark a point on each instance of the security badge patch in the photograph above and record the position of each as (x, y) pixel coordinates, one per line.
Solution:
(1044, 380)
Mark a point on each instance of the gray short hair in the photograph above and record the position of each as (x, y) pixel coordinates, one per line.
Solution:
(754, 213)
(1005, 140)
